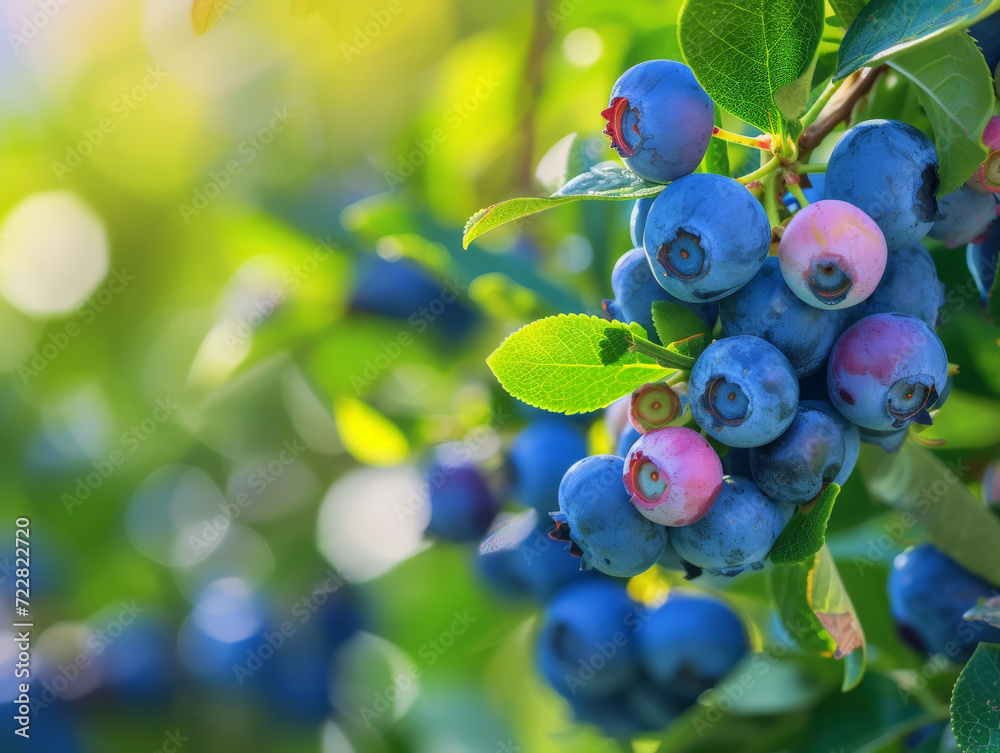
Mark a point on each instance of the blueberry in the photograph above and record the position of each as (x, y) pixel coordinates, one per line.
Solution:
(796, 466)
(657, 405)
(832, 255)
(462, 505)
(628, 437)
(765, 307)
(852, 439)
(691, 642)
(928, 594)
(697, 251)
(637, 222)
(889, 170)
(743, 391)
(737, 533)
(890, 440)
(910, 285)
(579, 626)
(987, 36)
(660, 120)
(519, 560)
(886, 371)
(982, 261)
(540, 455)
(968, 214)
(636, 290)
(597, 516)
(991, 484)
(673, 475)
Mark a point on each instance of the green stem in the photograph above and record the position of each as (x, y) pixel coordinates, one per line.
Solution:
(796, 190)
(660, 354)
(771, 200)
(809, 118)
(803, 168)
(768, 167)
(751, 141)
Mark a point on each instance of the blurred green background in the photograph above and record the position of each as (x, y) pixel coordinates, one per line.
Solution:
(218, 389)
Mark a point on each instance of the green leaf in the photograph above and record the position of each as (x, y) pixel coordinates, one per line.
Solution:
(955, 87)
(933, 495)
(886, 27)
(607, 181)
(207, 13)
(569, 156)
(674, 323)
(975, 704)
(691, 347)
(987, 610)
(572, 363)
(805, 533)
(816, 610)
(847, 10)
(744, 51)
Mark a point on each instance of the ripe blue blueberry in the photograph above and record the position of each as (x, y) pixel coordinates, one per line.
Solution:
(889, 170)
(852, 439)
(982, 261)
(832, 255)
(519, 560)
(629, 436)
(928, 594)
(796, 466)
(967, 215)
(766, 308)
(673, 475)
(583, 646)
(910, 285)
(886, 371)
(737, 533)
(660, 120)
(636, 290)
(697, 251)
(606, 530)
(637, 222)
(462, 504)
(691, 642)
(540, 455)
(743, 391)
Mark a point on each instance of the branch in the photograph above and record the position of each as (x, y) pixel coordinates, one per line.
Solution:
(842, 106)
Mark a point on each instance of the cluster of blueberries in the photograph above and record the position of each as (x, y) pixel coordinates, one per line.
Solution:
(825, 332)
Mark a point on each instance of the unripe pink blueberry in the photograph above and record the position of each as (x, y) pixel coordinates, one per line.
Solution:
(673, 475)
(832, 254)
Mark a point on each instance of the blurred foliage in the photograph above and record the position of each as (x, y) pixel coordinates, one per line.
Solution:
(249, 182)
